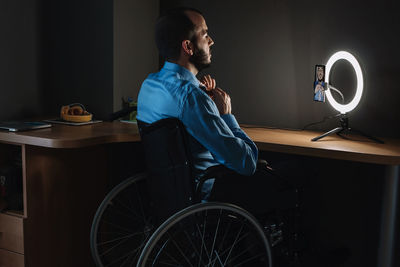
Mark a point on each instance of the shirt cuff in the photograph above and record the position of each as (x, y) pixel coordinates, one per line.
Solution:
(230, 120)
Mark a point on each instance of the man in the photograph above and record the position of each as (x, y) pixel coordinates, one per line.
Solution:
(205, 110)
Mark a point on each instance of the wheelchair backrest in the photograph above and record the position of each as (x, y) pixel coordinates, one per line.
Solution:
(168, 160)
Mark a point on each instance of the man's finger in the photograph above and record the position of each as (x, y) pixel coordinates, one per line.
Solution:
(215, 90)
(220, 90)
(213, 83)
(218, 93)
(209, 80)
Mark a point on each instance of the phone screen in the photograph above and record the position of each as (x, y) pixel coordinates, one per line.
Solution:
(319, 83)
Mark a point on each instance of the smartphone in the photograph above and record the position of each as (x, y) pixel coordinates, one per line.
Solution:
(319, 83)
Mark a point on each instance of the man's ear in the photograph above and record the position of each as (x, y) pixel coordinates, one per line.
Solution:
(187, 47)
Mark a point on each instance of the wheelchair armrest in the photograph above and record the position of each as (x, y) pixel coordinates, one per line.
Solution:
(212, 172)
(262, 164)
(219, 171)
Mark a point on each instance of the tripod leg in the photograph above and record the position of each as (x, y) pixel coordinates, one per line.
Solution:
(336, 130)
(342, 136)
(366, 135)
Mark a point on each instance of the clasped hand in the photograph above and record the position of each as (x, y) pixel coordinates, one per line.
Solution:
(220, 97)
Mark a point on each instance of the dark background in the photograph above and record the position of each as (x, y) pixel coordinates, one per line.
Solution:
(77, 55)
(58, 52)
(63, 51)
(20, 71)
(55, 53)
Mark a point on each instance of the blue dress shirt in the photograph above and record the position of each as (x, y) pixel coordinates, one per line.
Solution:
(175, 92)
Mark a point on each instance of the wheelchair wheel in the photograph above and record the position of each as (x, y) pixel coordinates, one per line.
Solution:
(208, 234)
(122, 225)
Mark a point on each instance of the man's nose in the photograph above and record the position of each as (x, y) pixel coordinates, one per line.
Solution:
(211, 42)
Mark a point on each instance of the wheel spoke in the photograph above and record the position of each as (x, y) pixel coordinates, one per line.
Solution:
(119, 238)
(180, 250)
(237, 241)
(202, 242)
(233, 245)
(225, 235)
(241, 253)
(123, 205)
(215, 235)
(117, 226)
(193, 245)
(250, 259)
(217, 258)
(135, 217)
(162, 249)
(123, 256)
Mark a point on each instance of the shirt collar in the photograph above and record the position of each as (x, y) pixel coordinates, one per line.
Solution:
(183, 73)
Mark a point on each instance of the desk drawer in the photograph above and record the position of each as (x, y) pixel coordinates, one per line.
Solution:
(11, 233)
(11, 259)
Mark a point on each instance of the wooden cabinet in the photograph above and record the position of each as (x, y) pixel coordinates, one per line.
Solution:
(65, 176)
(11, 241)
(11, 221)
(11, 233)
(62, 188)
(9, 258)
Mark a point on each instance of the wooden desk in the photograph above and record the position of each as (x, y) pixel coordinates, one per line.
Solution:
(333, 147)
(65, 171)
(358, 150)
(65, 136)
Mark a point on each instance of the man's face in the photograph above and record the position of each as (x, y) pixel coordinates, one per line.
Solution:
(320, 73)
(202, 42)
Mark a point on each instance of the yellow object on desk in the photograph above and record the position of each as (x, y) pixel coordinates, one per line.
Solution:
(75, 113)
(77, 118)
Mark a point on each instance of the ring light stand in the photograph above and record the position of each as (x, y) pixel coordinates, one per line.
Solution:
(344, 109)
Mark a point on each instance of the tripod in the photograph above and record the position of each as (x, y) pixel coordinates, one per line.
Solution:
(344, 127)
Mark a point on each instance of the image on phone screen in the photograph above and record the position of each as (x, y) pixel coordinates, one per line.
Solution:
(319, 83)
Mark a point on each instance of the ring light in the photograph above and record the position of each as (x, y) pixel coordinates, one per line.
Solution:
(360, 82)
(343, 109)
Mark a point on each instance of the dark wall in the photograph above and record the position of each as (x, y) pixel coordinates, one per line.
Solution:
(78, 55)
(20, 86)
(265, 52)
(54, 53)
(135, 52)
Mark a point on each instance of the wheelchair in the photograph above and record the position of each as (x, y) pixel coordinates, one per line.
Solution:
(157, 218)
